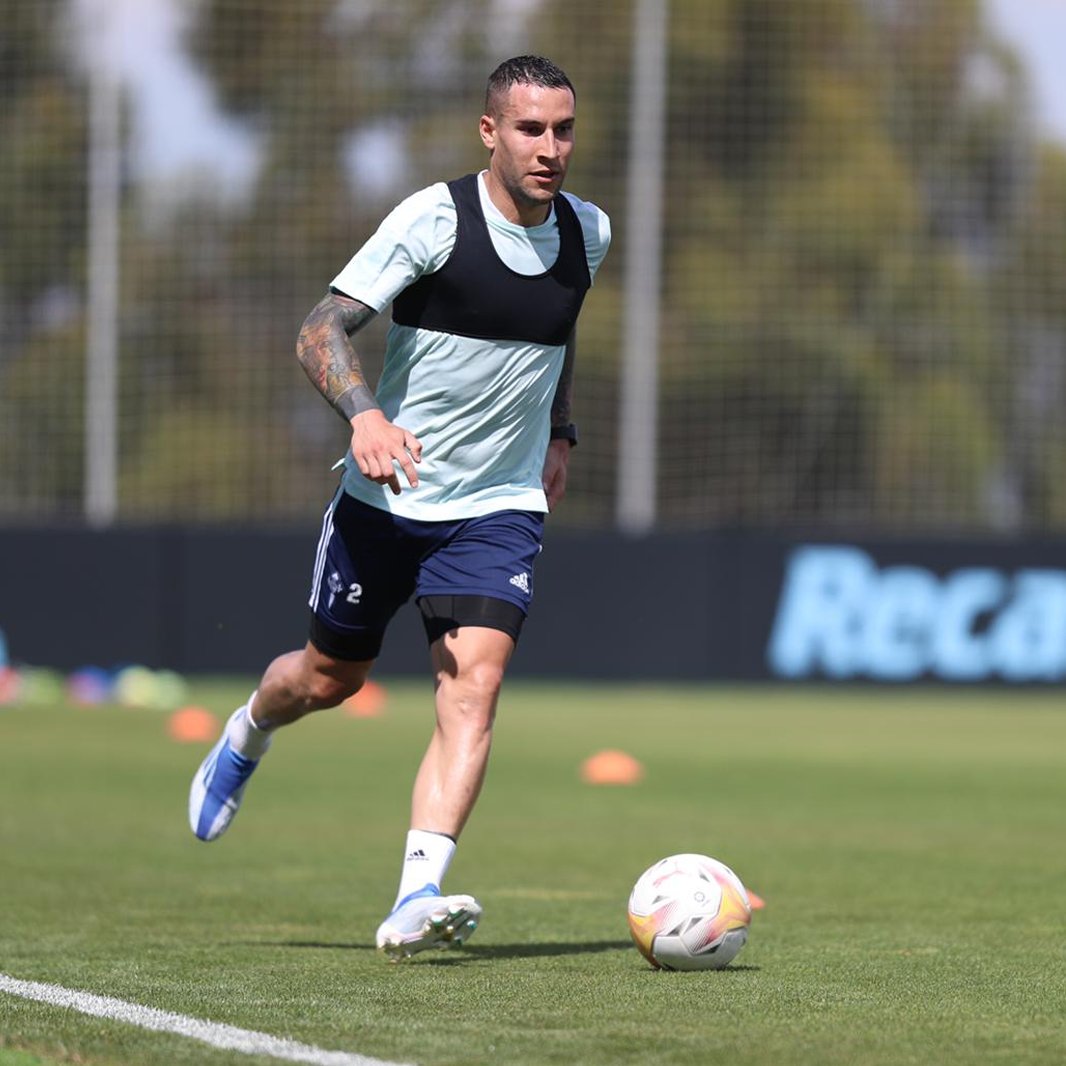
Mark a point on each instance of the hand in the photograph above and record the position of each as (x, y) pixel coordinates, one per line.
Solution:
(553, 477)
(377, 444)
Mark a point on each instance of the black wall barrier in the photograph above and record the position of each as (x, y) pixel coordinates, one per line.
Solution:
(722, 606)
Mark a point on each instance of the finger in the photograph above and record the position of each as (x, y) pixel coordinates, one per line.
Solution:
(376, 470)
(413, 445)
(373, 469)
(408, 469)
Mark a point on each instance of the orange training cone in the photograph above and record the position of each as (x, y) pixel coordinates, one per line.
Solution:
(192, 725)
(611, 767)
(368, 702)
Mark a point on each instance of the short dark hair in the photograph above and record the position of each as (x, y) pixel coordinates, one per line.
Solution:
(523, 70)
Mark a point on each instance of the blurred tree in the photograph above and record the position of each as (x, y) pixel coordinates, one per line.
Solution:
(42, 235)
(864, 313)
(844, 180)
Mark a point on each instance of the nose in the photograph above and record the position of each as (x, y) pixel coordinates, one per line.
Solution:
(549, 145)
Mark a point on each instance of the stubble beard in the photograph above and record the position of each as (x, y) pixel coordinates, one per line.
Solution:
(530, 197)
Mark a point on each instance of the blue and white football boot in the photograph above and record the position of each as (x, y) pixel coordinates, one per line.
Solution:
(217, 788)
(426, 919)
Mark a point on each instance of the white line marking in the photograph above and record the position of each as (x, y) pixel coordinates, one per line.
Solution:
(228, 1037)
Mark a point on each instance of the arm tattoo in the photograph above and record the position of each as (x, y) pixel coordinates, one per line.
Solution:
(560, 414)
(328, 358)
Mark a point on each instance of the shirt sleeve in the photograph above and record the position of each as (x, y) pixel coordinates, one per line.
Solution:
(414, 239)
(596, 228)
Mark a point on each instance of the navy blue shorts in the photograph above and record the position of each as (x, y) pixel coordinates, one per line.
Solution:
(370, 562)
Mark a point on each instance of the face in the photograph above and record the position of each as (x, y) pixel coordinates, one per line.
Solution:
(530, 142)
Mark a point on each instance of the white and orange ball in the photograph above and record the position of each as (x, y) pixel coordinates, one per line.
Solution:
(689, 912)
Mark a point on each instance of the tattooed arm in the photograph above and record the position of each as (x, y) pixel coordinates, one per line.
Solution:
(558, 456)
(325, 351)
(560, 415)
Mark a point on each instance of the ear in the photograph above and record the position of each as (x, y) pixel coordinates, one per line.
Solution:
(487, 129)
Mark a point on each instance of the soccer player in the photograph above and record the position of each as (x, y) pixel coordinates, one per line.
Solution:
(454, 460)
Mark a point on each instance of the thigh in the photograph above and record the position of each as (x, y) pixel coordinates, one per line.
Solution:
(470, 661)
(365, 570)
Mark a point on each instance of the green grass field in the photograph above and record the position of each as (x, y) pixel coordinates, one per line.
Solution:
(909, 844)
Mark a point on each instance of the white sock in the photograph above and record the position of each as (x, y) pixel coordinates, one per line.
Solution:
(426, 861)
(245, 737)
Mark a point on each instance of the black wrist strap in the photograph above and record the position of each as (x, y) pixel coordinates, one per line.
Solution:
(567, 432)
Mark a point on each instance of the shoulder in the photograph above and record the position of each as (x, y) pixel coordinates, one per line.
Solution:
(594, 223)
(415, 238)
(595, 226)
(426, 205)
(424, 225)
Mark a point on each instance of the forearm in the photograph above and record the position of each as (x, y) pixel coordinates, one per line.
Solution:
(325, 351)
(560, 410)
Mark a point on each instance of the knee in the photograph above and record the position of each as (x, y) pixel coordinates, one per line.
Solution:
(483, 680)
(321, 692)
(322, 686)
(475, 692)
(299, 682)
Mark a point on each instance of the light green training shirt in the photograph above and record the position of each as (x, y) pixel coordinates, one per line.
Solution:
(481, 408)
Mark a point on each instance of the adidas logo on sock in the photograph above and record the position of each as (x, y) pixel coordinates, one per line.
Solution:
(415, 855)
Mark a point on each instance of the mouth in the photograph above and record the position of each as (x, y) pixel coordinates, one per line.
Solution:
(545, 177)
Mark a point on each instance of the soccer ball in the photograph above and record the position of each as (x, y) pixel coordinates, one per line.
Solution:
(689, 912)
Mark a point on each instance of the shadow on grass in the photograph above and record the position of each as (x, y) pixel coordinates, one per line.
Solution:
(518, 951)
(483, 953)
(530, 951)
(466, 953)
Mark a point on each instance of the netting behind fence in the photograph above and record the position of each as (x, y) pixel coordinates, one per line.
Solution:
(863, 305)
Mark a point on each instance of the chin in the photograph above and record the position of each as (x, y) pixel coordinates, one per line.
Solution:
(539, 195)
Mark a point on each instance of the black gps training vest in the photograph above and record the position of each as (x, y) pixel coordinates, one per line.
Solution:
(475, 294)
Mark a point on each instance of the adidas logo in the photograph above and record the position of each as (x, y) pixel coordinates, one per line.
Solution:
(416, 855)
(521, 581)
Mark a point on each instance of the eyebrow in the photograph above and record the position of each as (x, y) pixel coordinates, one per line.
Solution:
(542, 122)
